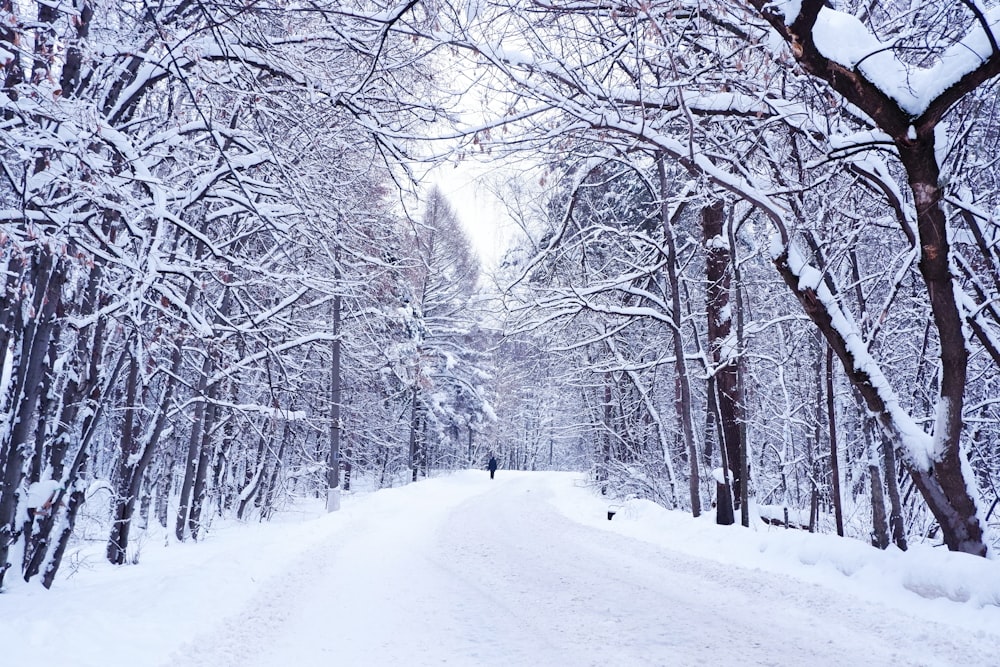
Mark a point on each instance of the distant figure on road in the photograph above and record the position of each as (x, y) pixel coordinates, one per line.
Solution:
(492, 465)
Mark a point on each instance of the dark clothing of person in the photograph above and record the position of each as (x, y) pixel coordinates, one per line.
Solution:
(492, 466)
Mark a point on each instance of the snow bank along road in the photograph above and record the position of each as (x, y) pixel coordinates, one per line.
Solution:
(464, 571)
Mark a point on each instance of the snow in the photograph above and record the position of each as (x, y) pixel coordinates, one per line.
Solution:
(844, 39)
(943, 414)
(775, 514)
(726, 313)
(38, 497)
(942, 144)
(717, 242)
(522, 570)
(5, 369)
(729, 348)
(809, 278)
(790, 9)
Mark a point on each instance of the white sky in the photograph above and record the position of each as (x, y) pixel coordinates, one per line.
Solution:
(483, 216)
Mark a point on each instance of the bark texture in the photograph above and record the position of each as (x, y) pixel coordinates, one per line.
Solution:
(720, 325)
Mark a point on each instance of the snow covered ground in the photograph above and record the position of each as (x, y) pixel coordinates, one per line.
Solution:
(524, 570)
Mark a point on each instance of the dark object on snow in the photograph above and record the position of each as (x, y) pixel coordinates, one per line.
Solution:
(492, 465)
(611, 514)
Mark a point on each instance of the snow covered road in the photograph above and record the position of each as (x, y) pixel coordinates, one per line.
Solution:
(464, 571)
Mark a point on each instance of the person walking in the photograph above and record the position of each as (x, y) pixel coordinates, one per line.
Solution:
(492, 465)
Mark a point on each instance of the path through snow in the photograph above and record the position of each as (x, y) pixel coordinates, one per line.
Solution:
(464, 571)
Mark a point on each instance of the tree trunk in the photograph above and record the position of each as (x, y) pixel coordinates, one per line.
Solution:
(414, 437)
(333, 461)
(949, 494)
(892, 488)
(223, 482)
(606, 440)
(198, 490)
(831, 418)
(271, 487)
(744, 454)
(145, 500)
(683, 398)
(253, 477)
(817, 471)
(118, 540)
(164, 487)
(191, 459)
(724, 372)
(76, 500)
(942, 484)
(347, 469)
(880, 526)
(48, 408)
(11, 315)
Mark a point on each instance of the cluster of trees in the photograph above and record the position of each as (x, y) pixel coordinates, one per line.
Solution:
(766, 244)
(206, 281)
(761, 258)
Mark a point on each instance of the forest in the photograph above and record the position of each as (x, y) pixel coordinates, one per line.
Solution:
(755, 273)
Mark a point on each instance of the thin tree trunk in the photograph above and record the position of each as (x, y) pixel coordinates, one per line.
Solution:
(48, 407)
(880, 526)
(222, 468)
(11, 318)
(145, 500)
(744, 453)
(133, 469)
(348, 467)
(831, 418)
(198, 490)
(816, 471)
(191, 459)
(414, 440)
(606, 444)
(333, 462)
(252, 478)
(118, 540)
(683, 399)
(210, 414)
(164, 487)
(892, 487)
(270, 489)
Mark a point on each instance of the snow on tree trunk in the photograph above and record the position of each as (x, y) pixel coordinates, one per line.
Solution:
(683, 401)
(721, 344)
